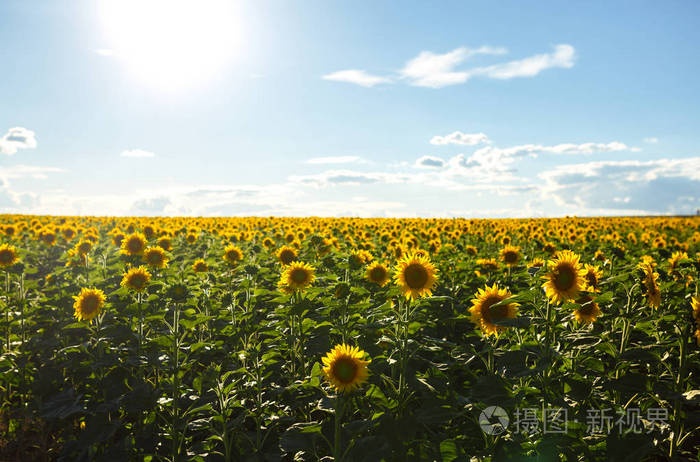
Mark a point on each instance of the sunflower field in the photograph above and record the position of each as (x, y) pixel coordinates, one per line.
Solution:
(347, 339)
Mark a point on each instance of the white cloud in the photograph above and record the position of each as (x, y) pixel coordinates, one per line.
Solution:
(439, 70)
(15, 139)
(430, 162)
(632, 186)
(563, 56)
(467, 139)
(651, 140)
(137, 153)
(337, 160)
(356, 76)
(494, 156)
(432, 70)
(12, 201)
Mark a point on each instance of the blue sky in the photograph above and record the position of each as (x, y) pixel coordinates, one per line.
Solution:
(478, 109)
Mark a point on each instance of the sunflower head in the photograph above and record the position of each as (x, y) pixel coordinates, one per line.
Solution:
(344, 368)
(165, 243)
(378, 274)
(155, 257)
(510, 255)
(486, 315)
(471, 250)
(651, 286)
(232, 254)
(118, 238)
(200, 266)
(48, 236)
(286, 255)
(178, 291)
(296, 276)
(8, 255)
(133, 244)
(565, 278)
(593, 275)
(695, 305)
(83, 247)
(136, 279)
(88, 304)
(415, 276)
(587, 311)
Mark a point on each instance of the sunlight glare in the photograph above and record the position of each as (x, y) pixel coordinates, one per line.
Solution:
(171, 44)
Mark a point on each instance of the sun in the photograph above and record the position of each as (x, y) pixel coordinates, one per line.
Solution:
(171, 45)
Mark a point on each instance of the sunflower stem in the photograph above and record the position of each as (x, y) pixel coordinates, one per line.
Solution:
(337, 441)
(680, 386)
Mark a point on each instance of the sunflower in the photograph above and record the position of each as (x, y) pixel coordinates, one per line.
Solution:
(88, 304)
(134, 244)
(286, 255)
(118, 238)
(651, 285)
(165, 243)
(136, 279)
(297, 276)
(200, 266)
(588, 310)
(674, 264)
(510, 255)
(415, 275)
(360, 257)
(485, 315)
(593, 275)
(695, 304)
(378, 274)
(233, 254)
(488, 265)
(536, 263)
(155, 257)
(178, 291)
(565, 279)
(471, 250)
(8, 255)
(344, 368)
(83, 247)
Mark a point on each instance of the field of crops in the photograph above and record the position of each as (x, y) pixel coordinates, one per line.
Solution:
(349, 339)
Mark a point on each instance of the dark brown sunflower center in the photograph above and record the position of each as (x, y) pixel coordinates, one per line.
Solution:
(298, 275)
(490, 312)
(592, 279)
(90, 304)
(416, 276)
(565, 278)
(377, 274)
(6, 256)
(287, 256)
(154, 258)
(137, 280)
(345, 370)
(588, 306)
(134, 245)
(510, 256)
